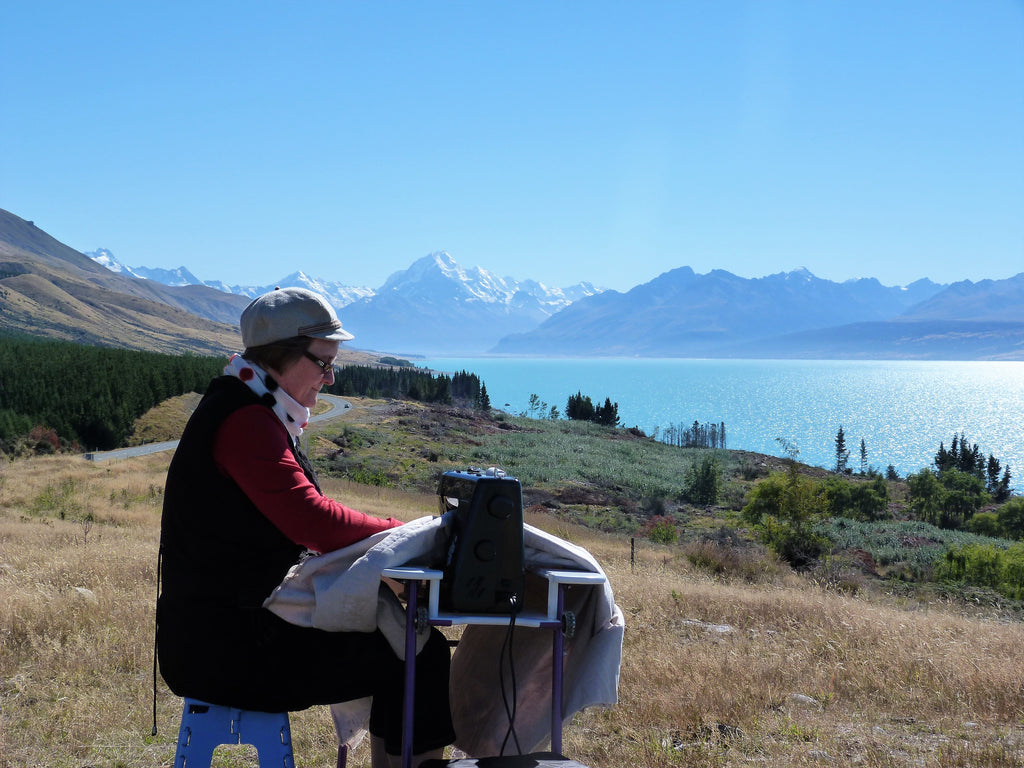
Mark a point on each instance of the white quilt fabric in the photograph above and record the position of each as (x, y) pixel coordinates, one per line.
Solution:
(341, 591)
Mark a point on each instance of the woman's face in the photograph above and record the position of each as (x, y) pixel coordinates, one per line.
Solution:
(303, 378)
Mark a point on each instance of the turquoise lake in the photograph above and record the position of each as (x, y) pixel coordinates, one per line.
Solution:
(901, 409)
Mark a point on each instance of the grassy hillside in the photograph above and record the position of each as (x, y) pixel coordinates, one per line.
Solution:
(42, 301)
(730, 658)
(52, 291)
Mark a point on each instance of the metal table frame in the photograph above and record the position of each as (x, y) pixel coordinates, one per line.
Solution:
(552, 619)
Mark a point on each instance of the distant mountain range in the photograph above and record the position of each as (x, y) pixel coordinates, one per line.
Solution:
(339, 295)
(438, 308)
(787, 315)
(433, 307)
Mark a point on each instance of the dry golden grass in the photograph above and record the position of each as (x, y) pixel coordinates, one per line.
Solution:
(715, 672)
(165, 421)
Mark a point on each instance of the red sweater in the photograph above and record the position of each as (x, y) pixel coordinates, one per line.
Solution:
(251, 448)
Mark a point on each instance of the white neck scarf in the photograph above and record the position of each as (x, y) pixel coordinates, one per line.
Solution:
(292, 414)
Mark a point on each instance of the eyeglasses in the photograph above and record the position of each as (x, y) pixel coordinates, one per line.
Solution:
(326, 369)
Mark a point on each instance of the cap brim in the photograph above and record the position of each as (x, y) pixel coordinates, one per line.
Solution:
(338, 334)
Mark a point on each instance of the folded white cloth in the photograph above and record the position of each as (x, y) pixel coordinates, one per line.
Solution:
(341, 591)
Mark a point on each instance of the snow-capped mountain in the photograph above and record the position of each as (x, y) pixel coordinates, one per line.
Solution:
(338, 294)
(422, 279)
(174, 277)
(105, 258)
(179, 276)
(439, 271)
(438, 307)
(434, 306)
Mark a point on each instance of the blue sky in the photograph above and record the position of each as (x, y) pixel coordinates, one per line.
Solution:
(558, 141)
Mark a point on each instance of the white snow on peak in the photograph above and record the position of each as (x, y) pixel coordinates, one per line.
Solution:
(104, 257)
(432, 278)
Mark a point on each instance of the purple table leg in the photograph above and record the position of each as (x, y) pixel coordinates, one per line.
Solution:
(556, 677)
(408, 699)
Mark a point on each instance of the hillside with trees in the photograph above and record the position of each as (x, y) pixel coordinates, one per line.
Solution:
(409, 383)
(57, 395)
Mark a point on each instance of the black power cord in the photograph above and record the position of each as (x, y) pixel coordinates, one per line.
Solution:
(506, 650)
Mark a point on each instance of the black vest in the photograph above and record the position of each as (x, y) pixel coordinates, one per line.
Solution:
(218, 550)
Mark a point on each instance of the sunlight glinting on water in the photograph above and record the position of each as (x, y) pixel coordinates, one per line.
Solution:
(902, 410)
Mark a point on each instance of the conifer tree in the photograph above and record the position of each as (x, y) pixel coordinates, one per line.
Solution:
(483, 402)
(993, 468)
(580, 407)
(842, 454)
(1002, 490)
(607, 414)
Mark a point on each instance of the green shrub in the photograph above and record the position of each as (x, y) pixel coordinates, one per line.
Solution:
(788, 496)
(949, 500)
(62, 499)
(871, 499)
(858, 500)
(799, 545)
(1011, 518)
(365, 476)
(660, 529)
(703, 480)
(1011, 582)
(783, 509)
(926, 496)
(965, 495)
(984, 524)
(985, 565)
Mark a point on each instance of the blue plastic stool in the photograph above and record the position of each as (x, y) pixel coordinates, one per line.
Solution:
(206, 726)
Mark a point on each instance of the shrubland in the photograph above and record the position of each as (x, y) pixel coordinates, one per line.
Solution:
(732, 656)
